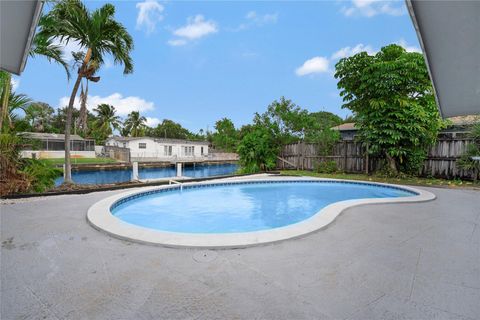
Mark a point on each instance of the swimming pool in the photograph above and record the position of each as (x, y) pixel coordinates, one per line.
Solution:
(123, 175)
(237, 213)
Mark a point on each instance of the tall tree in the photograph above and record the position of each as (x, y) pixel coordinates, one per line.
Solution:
(39, 115)
(107, 120)
(99, 34)
(226, 136)
(135, 124)
(169, 129)
(392, 98)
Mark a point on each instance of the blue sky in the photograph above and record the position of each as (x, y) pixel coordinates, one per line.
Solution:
(196, 62)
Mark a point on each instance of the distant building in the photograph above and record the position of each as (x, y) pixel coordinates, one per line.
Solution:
(347, 130)
(459, 127)
(159, 149)
(52, 145)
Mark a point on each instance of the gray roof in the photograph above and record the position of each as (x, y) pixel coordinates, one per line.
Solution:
(18, 21)
(52, 136)
(449, 33)
(160, 140)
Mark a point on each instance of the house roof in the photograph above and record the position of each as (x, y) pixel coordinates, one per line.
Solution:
(448, 32)
(18, 21)
(160, 140)
(455, 121)
(52, 136)
(465, 120)
(345, 127)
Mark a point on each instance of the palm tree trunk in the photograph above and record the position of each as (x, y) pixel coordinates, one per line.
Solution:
(68, 122)
(68, 125)
(4, 99)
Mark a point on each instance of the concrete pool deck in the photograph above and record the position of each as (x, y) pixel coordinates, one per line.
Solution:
(383, 261)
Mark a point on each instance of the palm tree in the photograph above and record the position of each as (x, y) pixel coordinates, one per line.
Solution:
(135, 124)
(107, 120)
(96, 32)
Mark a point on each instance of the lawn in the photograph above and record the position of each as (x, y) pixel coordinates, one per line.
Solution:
(418, 181)
(60, 161)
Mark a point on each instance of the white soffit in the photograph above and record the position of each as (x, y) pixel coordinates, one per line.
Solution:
(449, 32)
(18, 21)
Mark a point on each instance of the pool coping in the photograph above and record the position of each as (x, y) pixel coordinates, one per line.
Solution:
(100, 217)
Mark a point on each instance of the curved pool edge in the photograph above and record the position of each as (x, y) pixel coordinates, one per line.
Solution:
(100, 217)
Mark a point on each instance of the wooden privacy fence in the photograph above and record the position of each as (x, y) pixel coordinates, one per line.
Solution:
(351, 156)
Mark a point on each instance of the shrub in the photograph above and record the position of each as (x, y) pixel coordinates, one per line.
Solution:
(326, 167)
(41, 175)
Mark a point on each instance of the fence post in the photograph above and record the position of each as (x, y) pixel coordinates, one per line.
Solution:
(345, 155)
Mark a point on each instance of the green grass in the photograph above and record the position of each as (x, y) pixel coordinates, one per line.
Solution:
(404, 180)
(60, 161)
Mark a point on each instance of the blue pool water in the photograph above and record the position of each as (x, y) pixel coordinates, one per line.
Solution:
(115, 176)
(241, 207)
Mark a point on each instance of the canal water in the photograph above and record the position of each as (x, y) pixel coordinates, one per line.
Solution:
(124, 175)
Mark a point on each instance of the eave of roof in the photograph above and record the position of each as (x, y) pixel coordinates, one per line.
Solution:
(448, 32)
(18, 22)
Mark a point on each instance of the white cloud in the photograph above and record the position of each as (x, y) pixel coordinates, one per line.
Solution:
(15, 82)
(68, 48)
(254, 19)
(370, 8)
(123, 105)
(262, 18)
(196, 27)
(149, 13)
(313, 65)
(152, 121)
(350, 51)
(177, 42)
(407, 47)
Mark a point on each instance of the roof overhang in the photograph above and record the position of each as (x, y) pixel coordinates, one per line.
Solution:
(449, 33)
(18, 21)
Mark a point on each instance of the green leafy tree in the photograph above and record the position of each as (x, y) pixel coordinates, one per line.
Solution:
(39, 115)
(106, 121)
(169, 129)
(225, 138)
(99, 34)
(257, 150)
(392, 98)
(325, 119)
(135, 124)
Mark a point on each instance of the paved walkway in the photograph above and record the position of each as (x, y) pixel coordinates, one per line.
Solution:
(407, 261)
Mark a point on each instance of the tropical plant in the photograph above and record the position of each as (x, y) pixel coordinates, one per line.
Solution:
(107, 120)
(257, 151)
(11, 180)
(99, 34)
(135, 124)
(45, 46)
(15, 102)
(391, 95)
(41, 175)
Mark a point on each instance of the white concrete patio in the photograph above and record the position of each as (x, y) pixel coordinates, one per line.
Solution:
(388, 261)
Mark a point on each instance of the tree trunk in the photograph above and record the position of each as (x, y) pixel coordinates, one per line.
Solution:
(82, 119)
(4, 99)
(68, 122)
(68, 125)
(391, 163)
